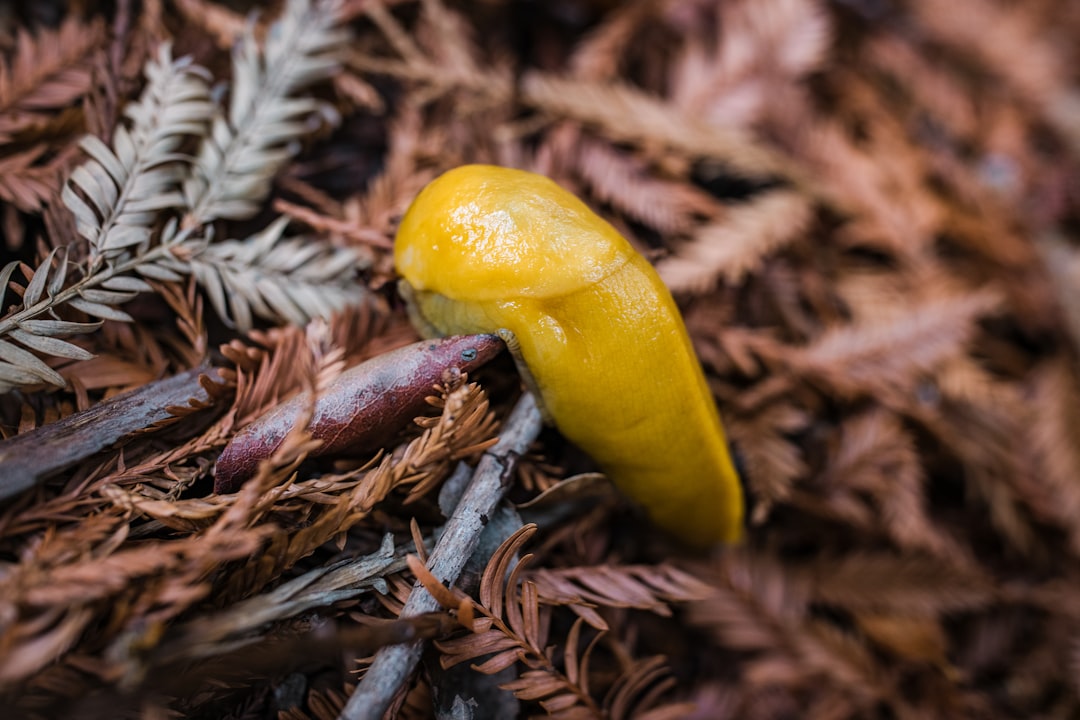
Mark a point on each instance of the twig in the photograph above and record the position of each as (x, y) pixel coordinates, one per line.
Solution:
(29, 458)
(392, 665)
(275, 657)
(215, 634)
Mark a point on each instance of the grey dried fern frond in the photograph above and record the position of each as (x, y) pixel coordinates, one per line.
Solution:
(120, 194)
(274, 277)
(238, 160)
(122, 190)
(266, 275)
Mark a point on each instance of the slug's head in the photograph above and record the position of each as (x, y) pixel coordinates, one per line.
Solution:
(481, 232)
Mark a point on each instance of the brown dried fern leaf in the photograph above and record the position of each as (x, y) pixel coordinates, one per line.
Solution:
(759, 609)
(1055, 448)
(874, 461)
(979, 419)
(511, 627)
(636, 693)
(883, 357)
(909, 585)
(599, 55)
(773, 461)
(49, 71)
(737, 243)
(994, 35)
(645, 587)
(465, 428)
(628, 114)
(667, 206)
(67, 594)
(741, 57)
(25, 183)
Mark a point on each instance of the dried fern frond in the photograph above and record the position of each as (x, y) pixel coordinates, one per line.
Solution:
(629, 114)
(773, 462)
(119, 195)
(264, 275)
(863, 357)
(25, 184)
(647, 587)
(760, 50)
(636, 693)
(60, 581)
(995, 36)
(737, 243)
(760, 609)
(121, 190)
(874, 461)
(909, 585)
(598, 56)
(624, 112)
(275, 277)
(117, 198)
(1055, 447)
(510, 629)
(666, 205)
(448, 62)
(243, 152)
(465, 427)
(936, 88)
(510, 623)
(48, 72)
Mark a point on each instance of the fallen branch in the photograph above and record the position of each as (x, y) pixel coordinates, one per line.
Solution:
(393, 665)
(31, 457)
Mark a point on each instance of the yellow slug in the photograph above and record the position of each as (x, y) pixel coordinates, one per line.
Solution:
(485, 248)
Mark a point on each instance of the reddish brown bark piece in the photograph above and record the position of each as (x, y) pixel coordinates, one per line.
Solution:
(362, 409)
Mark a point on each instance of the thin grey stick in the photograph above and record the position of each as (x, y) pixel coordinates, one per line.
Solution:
(393, 664)
(217, 633)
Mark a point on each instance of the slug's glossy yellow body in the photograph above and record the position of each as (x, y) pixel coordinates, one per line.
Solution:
(486, 248)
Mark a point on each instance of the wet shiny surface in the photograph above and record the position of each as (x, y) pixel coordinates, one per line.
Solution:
(488, 248)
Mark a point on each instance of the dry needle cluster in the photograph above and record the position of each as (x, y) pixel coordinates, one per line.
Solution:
(869, 213)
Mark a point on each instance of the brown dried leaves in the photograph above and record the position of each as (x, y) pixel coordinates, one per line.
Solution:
(511, 619)
(80, 565)
(849, 206)
(48, 71)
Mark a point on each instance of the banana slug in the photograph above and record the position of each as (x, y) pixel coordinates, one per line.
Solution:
(597, 334)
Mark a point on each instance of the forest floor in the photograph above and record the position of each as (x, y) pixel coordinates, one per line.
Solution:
(867, 211)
